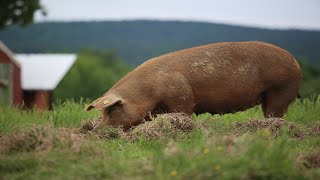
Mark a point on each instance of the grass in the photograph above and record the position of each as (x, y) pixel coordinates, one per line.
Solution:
(48, 145)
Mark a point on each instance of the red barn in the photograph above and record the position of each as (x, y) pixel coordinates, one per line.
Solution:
(10, 77)
(29, 79)
(41, 74)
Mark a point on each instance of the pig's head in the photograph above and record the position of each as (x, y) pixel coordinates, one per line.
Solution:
(113, 111)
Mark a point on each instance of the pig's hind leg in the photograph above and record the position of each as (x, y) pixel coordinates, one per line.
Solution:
(277, 99)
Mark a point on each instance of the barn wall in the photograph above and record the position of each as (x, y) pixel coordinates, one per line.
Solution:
(17, 89)
(42, 99)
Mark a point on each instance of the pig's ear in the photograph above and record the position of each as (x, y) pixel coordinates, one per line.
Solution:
(109, 103)
(92, 105)
(104, 102)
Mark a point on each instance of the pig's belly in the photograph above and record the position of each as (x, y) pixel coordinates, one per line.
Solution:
(216, 103)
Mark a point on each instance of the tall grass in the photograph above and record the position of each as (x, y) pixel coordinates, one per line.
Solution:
(67, 114)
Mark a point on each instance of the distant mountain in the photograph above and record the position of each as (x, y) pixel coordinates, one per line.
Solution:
(137, 41)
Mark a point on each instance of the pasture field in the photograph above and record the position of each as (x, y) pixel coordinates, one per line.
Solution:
(58, 145)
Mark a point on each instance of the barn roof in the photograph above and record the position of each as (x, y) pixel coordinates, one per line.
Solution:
(44, 71)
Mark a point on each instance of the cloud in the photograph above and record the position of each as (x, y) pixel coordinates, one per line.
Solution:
(266, 13)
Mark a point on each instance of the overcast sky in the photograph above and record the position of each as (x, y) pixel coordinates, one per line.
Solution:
(302, 14)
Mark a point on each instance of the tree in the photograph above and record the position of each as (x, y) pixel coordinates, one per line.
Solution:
(18, 12)
(91, 76)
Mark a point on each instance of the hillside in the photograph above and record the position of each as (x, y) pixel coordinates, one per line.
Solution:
(137, 41)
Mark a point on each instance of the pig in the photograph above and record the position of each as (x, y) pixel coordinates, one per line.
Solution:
(217, 78)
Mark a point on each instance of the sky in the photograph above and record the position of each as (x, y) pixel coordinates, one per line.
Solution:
(275, 14)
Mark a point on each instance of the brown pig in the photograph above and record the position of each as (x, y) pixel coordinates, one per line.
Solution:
(215, 78)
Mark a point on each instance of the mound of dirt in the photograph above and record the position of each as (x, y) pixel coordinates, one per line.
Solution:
(296, 132)
(40, 138)
(88, 125)
(256, 124)
(315, 129)
(272, 125)
(163, 126)
(173, 125)
(176, 125)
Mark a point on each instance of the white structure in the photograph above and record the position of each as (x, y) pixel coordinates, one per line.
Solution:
(43, 71)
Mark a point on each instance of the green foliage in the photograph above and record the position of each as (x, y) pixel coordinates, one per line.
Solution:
(309, 72)
(18, 12)
(216, 152)
(92, 75)
(311, 80)
(311, 88)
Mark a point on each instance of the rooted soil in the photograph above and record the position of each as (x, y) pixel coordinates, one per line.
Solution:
(40, 138)
(315, 129)
(274, 125)
(256, 124)
(174, 125)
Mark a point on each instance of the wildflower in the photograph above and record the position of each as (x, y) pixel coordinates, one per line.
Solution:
(173, 173)
(266, 132)
(219, 148)
(216, 167)
(206, 151)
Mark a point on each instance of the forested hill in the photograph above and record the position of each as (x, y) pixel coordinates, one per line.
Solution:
(137, 41)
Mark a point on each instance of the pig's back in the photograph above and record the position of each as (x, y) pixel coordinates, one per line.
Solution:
(232, 62)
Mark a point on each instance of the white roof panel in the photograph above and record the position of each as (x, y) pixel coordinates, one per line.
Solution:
(44, 71)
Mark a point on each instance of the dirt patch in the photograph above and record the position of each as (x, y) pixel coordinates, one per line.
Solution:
(301, 133)
(272, 125)
(315, 129)
(88, 125)
(163, 126)
(296, 132)
(173, 125)
(311, 160)
(41, 138)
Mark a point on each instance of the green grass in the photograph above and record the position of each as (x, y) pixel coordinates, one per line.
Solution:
(215, 151)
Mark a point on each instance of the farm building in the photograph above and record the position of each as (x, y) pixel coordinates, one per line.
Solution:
(29, 79)
(41, 74)
(10, 77)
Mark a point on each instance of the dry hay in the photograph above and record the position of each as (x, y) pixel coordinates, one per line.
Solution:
(274, 125)
(173, 125)
(163, 126)
(315, 129)
(296, 132)
(256, 124)
(44, 138)
(176, 125)
(104, 133)
(299, 132)
(40, 138)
